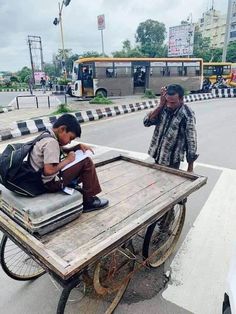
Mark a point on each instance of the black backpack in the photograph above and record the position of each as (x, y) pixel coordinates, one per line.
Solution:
(16, 173)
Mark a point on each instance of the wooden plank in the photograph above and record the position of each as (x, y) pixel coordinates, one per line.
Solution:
(102, 245)
(186, 174)
(49, 259)
(123, 202)
(118, 171)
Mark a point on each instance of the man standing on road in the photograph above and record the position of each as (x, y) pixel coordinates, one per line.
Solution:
(43, 84)
(175, 132)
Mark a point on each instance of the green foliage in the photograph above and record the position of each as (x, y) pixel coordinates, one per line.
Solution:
(149, 94)
(201, 46)
(90, 54)
(14, 79)
(231, 52)
(62, 108)
(150, 36)
(63, 81)
(127, 51)
(100, 100)
(24, 74)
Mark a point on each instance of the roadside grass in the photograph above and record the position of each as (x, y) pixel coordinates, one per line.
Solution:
(100, 100)
(149, 94)
(62, 108)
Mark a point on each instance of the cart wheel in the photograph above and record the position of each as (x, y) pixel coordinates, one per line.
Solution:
(16, 263)
(161, 237)
(111, 276)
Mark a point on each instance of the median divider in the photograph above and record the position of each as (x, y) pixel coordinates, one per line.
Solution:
(38, 125)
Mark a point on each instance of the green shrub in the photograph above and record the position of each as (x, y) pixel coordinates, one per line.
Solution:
(100, 100)
(149, 94)
(62, 108)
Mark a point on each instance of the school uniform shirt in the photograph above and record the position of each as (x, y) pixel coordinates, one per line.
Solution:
(174, 136)
(46, 151)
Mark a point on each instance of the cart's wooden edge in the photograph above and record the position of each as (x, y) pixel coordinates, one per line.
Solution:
(179, 172)
(83, 259)
(28, 242)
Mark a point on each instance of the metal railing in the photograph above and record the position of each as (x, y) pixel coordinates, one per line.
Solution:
(36, 100)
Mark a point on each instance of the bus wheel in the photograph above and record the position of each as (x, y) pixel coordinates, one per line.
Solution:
(102, 92)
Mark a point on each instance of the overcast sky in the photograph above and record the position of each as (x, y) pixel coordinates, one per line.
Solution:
(20, 18)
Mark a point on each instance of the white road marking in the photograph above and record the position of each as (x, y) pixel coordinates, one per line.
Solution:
(199, 269)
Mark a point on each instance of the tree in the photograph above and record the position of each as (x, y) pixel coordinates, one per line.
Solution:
(127, 51)
(231, 52)
(201, 46)
(24, 74)
(90, 54)
(150, 36)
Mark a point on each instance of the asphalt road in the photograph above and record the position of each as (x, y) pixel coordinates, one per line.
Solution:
(206, 245)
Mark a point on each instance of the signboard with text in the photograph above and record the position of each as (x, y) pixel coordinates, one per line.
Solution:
(101, 21)
(181, 40)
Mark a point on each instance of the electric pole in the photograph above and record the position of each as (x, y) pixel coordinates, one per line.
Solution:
(227, 28)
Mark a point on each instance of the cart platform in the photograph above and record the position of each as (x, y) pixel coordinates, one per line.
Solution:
(139, 193)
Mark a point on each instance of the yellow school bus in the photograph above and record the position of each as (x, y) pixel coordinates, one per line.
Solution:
(212, 70)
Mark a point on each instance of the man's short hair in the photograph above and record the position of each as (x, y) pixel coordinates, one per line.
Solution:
(175, 89)
(70, 122)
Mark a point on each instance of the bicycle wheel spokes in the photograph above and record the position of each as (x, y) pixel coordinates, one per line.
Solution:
(16, 263)
(110, 279)
(161, 237)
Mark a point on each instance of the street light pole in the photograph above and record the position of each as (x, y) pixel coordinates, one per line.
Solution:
(59, 21)
(62, 38)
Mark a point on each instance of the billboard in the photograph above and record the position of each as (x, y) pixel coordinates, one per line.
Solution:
(181, 40)
(38, 75)
(101, 21)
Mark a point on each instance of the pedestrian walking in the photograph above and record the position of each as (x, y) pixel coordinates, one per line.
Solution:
(43, 84)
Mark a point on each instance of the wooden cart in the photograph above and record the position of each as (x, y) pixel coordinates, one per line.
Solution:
(95, 253)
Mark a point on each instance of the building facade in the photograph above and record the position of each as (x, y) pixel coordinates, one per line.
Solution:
(212, 24)
(232, 24)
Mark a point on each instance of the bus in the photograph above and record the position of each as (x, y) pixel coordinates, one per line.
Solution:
(131, 76)
(213, 70)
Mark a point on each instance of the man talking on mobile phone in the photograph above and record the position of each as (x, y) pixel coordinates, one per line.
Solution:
(175, 133)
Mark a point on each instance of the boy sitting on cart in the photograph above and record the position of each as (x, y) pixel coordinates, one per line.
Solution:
(46, 155)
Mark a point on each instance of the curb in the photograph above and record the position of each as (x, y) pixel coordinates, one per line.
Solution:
(39, 125)
(14, 90)
(3, 110)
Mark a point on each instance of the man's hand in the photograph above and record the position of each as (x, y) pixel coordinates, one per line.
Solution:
(163, 97)
(85, 147)
(190, 167)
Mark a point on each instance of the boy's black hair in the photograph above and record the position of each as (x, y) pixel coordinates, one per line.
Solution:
(175, 89)
(70, 122)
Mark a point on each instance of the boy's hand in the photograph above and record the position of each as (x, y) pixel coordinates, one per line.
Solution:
(70, 157)
(85, 147)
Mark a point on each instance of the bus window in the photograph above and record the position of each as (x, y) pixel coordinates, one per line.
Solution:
(191, 69)
(158, 69)
(122, 69)
(104, 70)
(226, 70)
(110, 72)
(175, 68)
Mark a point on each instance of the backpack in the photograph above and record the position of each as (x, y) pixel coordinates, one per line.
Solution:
(16, 173)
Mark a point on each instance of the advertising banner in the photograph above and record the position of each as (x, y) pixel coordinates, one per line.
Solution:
(181, 40)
